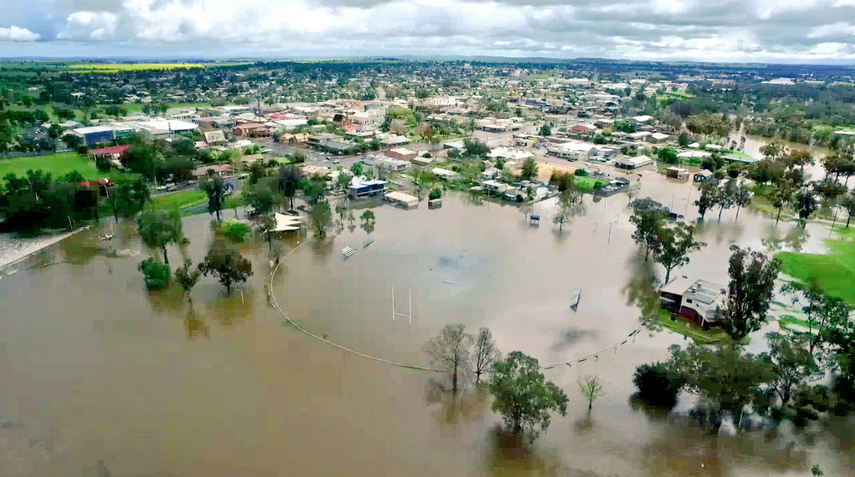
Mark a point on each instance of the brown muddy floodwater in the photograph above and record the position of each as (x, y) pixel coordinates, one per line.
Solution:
(98, 377)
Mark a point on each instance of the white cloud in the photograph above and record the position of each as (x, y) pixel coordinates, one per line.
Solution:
(683, 29)
(833, 29)
(89, 25)
(15, 33)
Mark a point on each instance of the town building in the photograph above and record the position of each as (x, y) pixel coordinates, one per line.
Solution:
(402, 153)
(95, 134)
(402, 200)
(361, 187)
(632, 163)
(697, 300)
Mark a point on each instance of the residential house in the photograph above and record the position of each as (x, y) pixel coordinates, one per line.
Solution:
(698, 300)
(402, 154)
(250, 129)
(703, 175)
(657, 138)
(440, 173)
(214, 138)
(391, 164)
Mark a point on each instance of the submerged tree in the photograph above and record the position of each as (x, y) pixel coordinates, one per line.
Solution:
(705, 201)
(289, 182)
(782, 195)
(741, 198)
(647, 215)
(824, 312)
(159, 228)
(186, 276)
(523, 396)
(452, 350)
(675, 243)
(226, 263)
(486, 353)
(215, 189)
(806, 204)
(791, 362)
(657, 384)
(749, 293)
(321, 215)
(725, 377)
(591, 388)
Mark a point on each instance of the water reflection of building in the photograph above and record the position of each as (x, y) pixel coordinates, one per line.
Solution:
(695, 299)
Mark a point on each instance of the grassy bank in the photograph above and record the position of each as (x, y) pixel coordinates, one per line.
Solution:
(696, 333)
(834, 272)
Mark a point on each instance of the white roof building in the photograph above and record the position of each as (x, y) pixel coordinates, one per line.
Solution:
(509, 153)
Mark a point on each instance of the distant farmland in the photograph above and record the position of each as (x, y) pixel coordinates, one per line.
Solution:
(113, 68)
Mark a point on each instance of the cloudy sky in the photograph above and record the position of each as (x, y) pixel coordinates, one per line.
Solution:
(708, 30)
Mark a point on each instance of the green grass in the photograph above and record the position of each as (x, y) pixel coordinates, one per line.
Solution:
(57, 164)
(739, 154)
(587, 184)
(696, 333)
(179, 200)
(834, 272)
(787, 320)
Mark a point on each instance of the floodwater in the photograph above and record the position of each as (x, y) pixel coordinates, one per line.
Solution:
(98, 377)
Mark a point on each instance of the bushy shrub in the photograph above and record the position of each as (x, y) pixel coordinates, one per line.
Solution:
(581, 172)
(657, 384)
(156, 274)
(235, 232)
(435, 194)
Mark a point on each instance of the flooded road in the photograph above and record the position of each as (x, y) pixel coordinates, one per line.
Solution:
(97, 374)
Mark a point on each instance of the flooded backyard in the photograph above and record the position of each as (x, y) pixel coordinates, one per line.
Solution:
(97, 375)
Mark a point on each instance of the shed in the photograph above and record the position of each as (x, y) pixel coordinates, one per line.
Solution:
(404, 200)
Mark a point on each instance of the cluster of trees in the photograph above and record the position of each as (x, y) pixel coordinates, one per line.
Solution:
(159, 229)
(783, 170)
(522, 395)
(37, 200)
(778, 384)
(722, 194)
(668, 241)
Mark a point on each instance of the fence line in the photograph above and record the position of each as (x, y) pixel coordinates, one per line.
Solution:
(413, 366)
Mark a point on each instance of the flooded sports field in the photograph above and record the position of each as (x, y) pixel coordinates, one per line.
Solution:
(99, 377)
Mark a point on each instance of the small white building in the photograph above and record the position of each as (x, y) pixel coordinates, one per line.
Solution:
(441, 173)
(632, 163)
(403, 200)
(573, 151)
(509, 153)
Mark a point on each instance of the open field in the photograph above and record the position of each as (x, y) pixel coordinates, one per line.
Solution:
(112, 68)
(179, 200)
(57, 164)
(834, 272)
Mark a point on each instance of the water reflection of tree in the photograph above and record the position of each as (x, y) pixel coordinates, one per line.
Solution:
(511, 454)
(475, 198)
(169, 301)
(194, 324)
(641, 289)
(794, 239)
(685, 449)
(228, 310)
(80, 249)
(456, 409)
